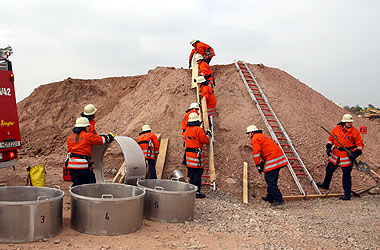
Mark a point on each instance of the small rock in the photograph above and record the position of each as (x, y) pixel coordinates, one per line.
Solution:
(57, 241)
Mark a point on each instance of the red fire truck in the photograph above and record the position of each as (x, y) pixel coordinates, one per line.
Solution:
(10, 139)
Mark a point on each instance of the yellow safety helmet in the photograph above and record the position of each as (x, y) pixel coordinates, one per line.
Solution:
(192, 41)
(82, 122)
(200, 79)
(251, 128)
(145, 128)
(193, 117)
(89, 109)
(198, 57)
(194, 105)
(347, 118)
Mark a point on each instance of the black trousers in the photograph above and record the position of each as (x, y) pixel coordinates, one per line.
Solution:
(271, 178)
(82, 176)
(346, 180)
(195, 175)
(152, 168)
(208, 60)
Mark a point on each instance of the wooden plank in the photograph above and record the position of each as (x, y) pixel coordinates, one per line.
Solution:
(120, 175)
(245, 182)
(210, 148)
(194, 72)
(311, 196)
(160, 163)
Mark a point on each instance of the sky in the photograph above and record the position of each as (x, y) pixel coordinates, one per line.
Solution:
(333, 46)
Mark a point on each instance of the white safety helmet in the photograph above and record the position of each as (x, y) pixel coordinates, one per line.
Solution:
(145, 127)
(82, 122)
(200, 79)
(192, 41)
(251, 128)
(194, 105)
(347, 118)
(193, 117)
(198, 57)
(89, 109)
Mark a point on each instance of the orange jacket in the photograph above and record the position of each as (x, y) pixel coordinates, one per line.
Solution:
(92, 127)
(83, 147)
(204, 49)
(205, 71)
(350, 138)
(185, 120)
(195, 137)
(149, 144)
(264, 148)
(208, 92)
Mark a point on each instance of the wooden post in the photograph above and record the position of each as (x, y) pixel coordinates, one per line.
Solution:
(310, 196)
(160, 163)
(245, 183)
(210, 149)
(120, 175)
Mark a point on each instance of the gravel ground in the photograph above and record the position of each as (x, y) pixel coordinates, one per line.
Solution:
(316, 224)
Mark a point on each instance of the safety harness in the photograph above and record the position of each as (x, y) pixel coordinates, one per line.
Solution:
(150, 147)
(199, 154)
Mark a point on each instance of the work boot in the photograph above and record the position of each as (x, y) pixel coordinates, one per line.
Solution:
(265, 198)
(321, 185)
(199, 195)
(344, 198)
(277, 203)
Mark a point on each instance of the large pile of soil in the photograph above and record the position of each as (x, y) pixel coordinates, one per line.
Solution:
(160, 98)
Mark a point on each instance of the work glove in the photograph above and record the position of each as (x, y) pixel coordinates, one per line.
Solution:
(260, 167)
(110, 137)
(354, 155)
(328, 149)
(209, 133)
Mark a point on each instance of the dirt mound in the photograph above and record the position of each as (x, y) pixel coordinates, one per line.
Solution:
(160, 98)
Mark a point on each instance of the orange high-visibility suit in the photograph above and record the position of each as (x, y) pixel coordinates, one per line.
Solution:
(82, 146)
(205, 71)
(185, 120)
(149, 144)
(350, 138)
(195, 137)
(207, 92)
(264, 148)
(203, 49)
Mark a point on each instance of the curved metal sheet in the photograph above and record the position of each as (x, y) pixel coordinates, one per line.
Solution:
(135, 167)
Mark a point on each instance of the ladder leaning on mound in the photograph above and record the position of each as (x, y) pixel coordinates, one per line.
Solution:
(276, 130)
(209, 177)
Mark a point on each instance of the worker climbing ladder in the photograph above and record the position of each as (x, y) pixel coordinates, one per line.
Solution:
(295, 165)
(209, 176)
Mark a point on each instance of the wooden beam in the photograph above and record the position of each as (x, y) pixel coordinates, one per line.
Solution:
(120, 175)
(160, 163)
(194, 72)
(245, 182)
(210, 148)
(311, 196)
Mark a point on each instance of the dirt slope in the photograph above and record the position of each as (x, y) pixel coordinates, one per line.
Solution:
(160, 98)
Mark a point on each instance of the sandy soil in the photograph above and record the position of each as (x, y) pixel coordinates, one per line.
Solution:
(160, 98)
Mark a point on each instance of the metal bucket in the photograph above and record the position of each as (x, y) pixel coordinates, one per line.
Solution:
(168, 200)
(29, 213)
(177, 174)
(107, 209)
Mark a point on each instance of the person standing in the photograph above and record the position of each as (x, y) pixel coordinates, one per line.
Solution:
(269, 158)
(89, 112)
(79, 146)
(205, 70)
(150, 146)
(351, 139)
(203, 49)
(195, 137)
